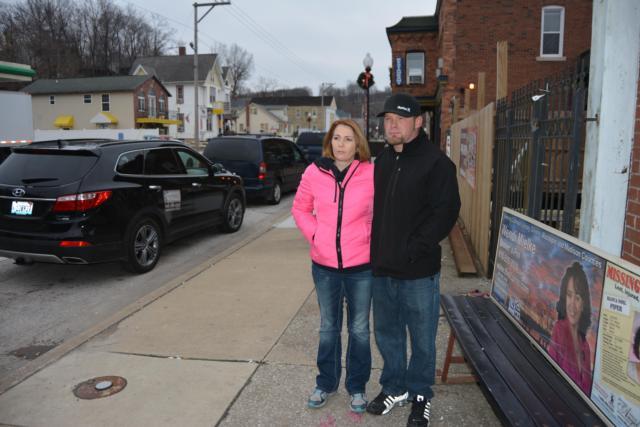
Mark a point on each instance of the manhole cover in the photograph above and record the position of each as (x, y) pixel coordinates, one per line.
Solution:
(98, 387)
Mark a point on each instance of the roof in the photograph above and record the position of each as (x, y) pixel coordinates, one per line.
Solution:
(86, 84)
(176, 68)
(411, 24)
(294, 101)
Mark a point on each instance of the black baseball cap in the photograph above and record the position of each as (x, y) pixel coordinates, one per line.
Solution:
(401, 104)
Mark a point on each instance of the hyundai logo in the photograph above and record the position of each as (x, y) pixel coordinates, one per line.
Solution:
(18, 192)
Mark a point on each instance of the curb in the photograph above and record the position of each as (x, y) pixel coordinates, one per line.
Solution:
(53, 355)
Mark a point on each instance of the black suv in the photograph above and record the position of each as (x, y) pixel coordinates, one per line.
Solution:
(79, 202)
(311, 144)
(268, 165)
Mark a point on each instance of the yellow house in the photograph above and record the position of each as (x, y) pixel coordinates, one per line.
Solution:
(117, 102)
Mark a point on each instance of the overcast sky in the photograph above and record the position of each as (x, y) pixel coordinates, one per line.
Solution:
(296, 42)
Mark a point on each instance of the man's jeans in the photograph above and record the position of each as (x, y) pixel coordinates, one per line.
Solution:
(398, 304)
(332, 288)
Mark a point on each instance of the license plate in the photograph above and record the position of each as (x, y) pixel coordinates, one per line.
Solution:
(21, 208)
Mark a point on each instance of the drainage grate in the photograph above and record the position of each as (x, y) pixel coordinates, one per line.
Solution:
(98, 387)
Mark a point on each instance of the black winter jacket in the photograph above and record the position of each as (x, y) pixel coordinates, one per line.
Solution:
(416, 204)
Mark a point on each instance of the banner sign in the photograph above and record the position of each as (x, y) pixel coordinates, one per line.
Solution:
(398, 66)
(579, 306)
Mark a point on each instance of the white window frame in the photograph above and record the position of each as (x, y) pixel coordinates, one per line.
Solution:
(409, 74)
(87, 99)
(52, 99)
(141, 102)
(559, 54)
(161, 104)
(179, 94)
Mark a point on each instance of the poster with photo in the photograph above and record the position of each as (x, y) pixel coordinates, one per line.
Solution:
(468, 151)
(616, 380)
(552, 288)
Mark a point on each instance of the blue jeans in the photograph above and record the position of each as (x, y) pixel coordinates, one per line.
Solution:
(397, 305)
(332, 288)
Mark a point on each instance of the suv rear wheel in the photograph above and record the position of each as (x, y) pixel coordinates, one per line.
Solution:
(143, 243)
(233, 214)
(276, 194)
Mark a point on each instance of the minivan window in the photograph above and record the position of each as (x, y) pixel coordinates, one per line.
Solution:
(310, 138)
(44, 170)
(162, 162)
(131, 163)
(242, 149)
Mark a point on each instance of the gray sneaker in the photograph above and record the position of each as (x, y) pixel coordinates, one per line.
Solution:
(317, 399)
(358, 403)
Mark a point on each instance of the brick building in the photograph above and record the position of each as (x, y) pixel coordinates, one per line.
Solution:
(435, 58)
(631, 244)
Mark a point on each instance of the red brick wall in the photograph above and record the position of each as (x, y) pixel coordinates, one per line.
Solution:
(415, 42)
(469, 32)
(146, 87)
(631, 241)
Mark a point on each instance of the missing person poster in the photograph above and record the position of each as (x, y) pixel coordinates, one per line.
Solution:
(552, 287)
(468, 151)
(616, 380)
(581, 306)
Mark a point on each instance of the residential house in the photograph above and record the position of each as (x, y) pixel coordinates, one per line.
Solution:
(436, 58)
(117, 102)
(300, 112)
(176, 73)
(256, 118)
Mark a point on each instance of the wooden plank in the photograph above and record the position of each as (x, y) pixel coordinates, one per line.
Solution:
(461, 253)
(502, 69)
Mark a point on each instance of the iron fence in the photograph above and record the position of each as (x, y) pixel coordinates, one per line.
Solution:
(539, 150)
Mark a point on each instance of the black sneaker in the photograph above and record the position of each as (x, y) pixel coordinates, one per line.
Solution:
(420, 412)
(382, 404)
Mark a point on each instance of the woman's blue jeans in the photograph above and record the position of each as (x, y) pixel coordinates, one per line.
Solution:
(332, 288)
(399, 305)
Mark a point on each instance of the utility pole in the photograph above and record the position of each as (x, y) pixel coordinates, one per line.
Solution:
(196, 109)
(322, 85)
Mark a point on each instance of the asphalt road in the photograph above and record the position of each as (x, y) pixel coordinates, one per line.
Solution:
(44, 304)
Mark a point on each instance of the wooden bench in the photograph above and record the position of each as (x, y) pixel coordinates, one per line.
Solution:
(520, 383)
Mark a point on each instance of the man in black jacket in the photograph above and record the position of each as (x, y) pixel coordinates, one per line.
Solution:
(416, 204)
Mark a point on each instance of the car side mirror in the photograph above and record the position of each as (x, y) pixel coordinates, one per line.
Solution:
(217, 167)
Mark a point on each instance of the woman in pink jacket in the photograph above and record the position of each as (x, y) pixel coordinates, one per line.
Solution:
(333, 209)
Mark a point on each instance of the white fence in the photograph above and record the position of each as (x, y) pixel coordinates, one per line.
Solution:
(119, 134)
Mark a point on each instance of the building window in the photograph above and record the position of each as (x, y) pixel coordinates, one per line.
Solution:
(212, 95)
(181, 119)
(415, 68)
(52, 99)
(87, 99)
(552, 31)
(161, 104)
(141, 102)
(254, 110)
(106, 102)
(297, 113)
(209, 121)
(314, 113)
(179, 94)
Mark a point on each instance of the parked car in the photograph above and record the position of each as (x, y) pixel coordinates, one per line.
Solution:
(269, 166)
(80, 202)
(311, 144)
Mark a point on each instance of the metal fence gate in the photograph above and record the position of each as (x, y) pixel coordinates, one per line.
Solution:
(539, 150)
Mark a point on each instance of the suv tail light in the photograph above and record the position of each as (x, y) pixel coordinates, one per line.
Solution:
(81, 202)
(262, 171)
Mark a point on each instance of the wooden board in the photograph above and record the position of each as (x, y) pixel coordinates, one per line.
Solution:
(461, 253)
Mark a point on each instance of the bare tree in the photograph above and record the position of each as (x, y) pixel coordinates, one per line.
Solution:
(240, 63)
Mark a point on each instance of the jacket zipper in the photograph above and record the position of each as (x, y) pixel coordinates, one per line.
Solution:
(341, 189)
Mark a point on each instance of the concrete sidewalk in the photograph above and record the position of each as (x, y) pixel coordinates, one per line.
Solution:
(232, 346)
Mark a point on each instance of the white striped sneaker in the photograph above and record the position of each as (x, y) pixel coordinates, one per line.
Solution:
(384, 403)
(420, 412)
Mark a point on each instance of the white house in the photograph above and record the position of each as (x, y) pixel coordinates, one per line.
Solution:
(176, 74)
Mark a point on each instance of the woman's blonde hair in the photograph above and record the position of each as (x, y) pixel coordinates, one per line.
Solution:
(362, 145)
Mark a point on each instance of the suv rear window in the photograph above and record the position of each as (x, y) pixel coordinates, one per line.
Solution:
(45, 170)
(310, 138)
(242, 149)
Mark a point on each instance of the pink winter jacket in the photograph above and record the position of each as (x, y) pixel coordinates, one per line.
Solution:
(336, 218)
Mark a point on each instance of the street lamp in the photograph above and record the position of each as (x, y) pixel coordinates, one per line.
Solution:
(365, 81)
(196, 134)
